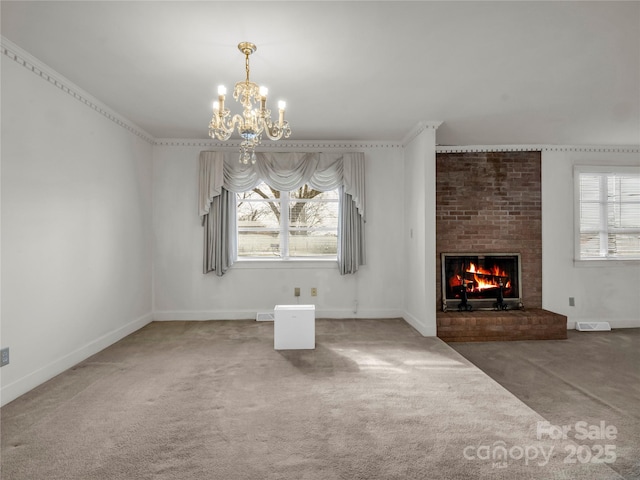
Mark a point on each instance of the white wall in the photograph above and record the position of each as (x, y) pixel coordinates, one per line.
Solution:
(76, 230)
(420, 232)
(183, 292)
(605, 292)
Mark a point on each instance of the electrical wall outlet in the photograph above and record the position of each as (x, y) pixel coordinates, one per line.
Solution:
(314, 292)
(296, 292)
(4, 357)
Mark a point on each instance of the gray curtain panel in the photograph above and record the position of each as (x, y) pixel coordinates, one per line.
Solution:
(219, 223)
(351, 251)
(221, 176)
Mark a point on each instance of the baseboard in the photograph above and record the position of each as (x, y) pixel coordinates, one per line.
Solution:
(617, 323)
(183, 315)
(360, 313)
(251, 314)
(30, 381)
(426, 330)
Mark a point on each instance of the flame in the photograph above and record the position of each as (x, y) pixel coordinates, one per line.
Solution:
(480, 281)
(495, 270)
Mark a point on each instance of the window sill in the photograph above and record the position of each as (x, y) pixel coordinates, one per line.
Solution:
(605, 262)
(316, 263)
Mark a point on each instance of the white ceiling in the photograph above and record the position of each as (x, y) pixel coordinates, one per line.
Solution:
(493, 72)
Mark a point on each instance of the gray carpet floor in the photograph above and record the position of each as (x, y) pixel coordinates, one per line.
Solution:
(590, 378)
(214, 400)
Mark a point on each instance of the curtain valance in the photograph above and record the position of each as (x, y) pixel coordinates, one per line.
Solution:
(282, 171)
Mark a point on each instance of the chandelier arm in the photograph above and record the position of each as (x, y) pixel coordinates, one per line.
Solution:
(273, 133)
(218, 130)
(236, 121)
(276, 131)
(224, 126)
(220, 134)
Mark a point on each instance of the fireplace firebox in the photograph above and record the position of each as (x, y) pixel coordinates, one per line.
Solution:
(481, 281)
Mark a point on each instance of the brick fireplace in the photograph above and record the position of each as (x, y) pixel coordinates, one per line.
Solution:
(490, 203)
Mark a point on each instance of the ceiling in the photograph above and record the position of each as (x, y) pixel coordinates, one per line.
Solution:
(493, 72)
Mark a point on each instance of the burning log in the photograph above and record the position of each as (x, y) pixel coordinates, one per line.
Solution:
(487, 277)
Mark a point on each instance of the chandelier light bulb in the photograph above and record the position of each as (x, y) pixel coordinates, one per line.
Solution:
(255, 118)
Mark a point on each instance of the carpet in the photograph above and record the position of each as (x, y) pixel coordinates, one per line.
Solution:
(214, 400)
(590, 378)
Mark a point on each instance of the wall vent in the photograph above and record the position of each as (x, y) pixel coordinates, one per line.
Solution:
(264, 317)
(593, 326)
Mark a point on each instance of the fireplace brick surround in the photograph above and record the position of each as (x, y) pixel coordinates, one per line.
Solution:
(490, 202)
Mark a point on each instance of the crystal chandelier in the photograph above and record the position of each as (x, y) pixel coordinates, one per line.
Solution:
(254, 121)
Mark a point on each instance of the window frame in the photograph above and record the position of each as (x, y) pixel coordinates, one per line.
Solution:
(604, 259)
(284, 228)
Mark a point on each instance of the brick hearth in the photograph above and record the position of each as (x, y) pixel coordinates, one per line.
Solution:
(485, 326)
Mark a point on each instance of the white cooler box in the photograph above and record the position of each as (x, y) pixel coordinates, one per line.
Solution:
(294, 327)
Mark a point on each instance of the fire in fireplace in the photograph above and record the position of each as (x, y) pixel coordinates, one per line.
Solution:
(481, 281)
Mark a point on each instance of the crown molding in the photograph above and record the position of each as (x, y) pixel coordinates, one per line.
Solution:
(537, 148)
(279, 145)
(194, 142)
(13, 52)
(487, 148)
(418, 129)
(350, 145)
(593, 148)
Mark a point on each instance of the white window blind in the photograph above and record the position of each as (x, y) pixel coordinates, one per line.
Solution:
(608, 213)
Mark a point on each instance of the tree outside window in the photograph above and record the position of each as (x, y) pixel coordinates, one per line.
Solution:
(308, 228)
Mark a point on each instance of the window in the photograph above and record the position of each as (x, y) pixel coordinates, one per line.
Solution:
(608, 206)
(308, 229)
